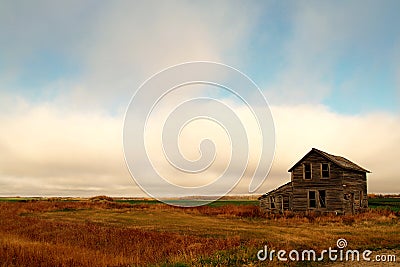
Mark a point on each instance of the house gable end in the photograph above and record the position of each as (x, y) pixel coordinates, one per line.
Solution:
(337, 160)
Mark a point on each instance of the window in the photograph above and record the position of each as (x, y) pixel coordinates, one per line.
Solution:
(322, 198)
(312, 201)
(361, 198)
(307, 171)
(325, 170)
(272, 201)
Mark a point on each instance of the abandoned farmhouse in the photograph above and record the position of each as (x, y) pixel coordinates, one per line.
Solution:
(320, 182)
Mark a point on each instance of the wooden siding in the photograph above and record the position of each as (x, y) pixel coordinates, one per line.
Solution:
(353, 183)
(332, 185)
(282, 197)
(345, 190)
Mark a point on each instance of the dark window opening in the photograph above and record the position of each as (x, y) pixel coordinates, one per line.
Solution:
(312, 201)
(325, 170)
(361, 198)
(272, 201)
(322, 198)
(307, 171)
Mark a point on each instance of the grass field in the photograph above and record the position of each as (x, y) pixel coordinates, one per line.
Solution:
(385, 203)
(140, 233)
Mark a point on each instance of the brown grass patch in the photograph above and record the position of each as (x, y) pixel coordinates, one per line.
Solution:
(31, 241)
(106, 233)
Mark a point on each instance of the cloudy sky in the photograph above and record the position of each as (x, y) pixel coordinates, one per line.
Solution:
(68, 69)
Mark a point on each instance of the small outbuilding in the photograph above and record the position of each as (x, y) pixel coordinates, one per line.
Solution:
(322, 183)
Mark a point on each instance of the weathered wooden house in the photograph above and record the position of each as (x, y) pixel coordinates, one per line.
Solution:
(322, 183)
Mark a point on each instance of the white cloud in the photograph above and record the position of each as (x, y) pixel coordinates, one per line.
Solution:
(48, 152)
(48, 148)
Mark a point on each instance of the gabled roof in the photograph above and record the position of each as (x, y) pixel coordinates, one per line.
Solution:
(276, 189)
(338, 160)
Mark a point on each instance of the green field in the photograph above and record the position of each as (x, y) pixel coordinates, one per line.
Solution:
(16, 199)
(217, 203)
(385, 203)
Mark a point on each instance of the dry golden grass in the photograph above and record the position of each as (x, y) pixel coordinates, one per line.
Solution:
(116, 234)
(27, 240)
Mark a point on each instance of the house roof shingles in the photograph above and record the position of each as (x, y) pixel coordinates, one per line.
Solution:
(338, 160)
(288, 184)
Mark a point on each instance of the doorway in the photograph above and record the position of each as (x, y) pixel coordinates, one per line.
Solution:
(352, 203)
